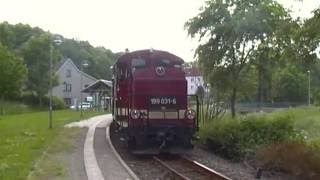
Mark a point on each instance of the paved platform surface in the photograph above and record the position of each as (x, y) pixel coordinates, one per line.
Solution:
(100, 159)
(108, 163)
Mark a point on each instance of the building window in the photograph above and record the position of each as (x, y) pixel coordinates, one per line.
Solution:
(67, 101)
(67, 87)
(192, 79)
(68, 73)
(191, 87)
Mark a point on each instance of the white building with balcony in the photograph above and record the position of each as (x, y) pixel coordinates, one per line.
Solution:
(194, 80)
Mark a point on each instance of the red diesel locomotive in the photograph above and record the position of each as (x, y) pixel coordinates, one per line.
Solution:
(150, 103)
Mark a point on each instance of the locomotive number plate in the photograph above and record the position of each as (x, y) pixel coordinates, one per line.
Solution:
(163, 101)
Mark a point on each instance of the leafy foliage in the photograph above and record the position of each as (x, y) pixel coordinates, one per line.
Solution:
(99, 58)
(235, 138)
(292, 85)
(285, 140)
(14, 36)
(294, 157)
(231, 31)
(32, 45)
(12, 74)
(57, 103)
(36, 53)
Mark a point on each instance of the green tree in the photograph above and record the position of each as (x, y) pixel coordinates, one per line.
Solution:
(12, 75)
(7, 36)
(98, 58)
(310, 32)
(229, 32)
(295, 50)
(292, 85)
(13, 36)
(36, 53)
(265, 63)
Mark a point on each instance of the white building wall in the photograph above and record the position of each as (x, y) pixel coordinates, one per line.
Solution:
(74, 79)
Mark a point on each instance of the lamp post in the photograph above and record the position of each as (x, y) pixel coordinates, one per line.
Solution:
(57, 40)
(309, 94)
(85, 64)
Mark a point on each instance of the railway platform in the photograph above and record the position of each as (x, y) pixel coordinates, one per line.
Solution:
(101, 161)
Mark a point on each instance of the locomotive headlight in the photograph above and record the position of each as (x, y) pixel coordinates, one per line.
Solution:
(190, 114)
(135, 114)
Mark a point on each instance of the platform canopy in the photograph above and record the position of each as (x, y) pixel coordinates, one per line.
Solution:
(100, 91)
(99, 86)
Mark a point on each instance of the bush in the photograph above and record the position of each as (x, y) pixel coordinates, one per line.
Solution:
(293, 157)
(33, 100)
(30, 99)
(235, 138)
(14, 107)
(57, 103)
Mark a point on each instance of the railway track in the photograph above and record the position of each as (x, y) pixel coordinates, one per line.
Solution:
(186, 169)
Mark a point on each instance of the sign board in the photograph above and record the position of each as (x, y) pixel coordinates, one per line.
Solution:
(89, 99)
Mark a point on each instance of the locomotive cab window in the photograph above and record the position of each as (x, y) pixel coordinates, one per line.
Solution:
(138, 63)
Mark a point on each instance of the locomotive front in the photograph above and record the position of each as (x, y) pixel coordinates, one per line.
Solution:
(155, 94)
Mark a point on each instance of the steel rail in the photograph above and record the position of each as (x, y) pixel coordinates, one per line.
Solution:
(202, 170)
(200, 167)
(179, 175)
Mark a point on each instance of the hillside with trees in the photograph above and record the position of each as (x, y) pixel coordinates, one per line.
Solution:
(26, 50)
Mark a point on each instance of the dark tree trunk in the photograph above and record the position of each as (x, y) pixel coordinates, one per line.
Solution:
(1, 105)
(233, 102)
(40, 101)
(259, 90)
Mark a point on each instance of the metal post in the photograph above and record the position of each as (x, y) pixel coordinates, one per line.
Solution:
(309, 94)
(81, 78)
(57, 41)
(50, 86)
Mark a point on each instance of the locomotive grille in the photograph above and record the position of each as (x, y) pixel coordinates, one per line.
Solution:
(166, 114)
(156, 115)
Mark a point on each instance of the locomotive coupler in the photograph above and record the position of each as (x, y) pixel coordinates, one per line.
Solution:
(165, 138)
(163, 145)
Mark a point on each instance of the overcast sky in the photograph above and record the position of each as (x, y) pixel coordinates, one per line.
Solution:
(120, 24)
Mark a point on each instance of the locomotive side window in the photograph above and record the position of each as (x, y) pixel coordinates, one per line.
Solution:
(138, 63)
(122, 74)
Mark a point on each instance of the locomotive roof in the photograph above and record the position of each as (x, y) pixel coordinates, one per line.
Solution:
(147, 53)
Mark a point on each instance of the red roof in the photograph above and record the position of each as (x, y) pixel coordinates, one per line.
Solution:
(192, 72)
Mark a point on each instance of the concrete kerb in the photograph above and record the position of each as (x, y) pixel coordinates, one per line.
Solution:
(131, 173)
(91, 165)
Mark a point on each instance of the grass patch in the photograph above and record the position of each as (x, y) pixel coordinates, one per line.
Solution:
(11, 107)
(24, 137)
(55, 162)
(305, 119)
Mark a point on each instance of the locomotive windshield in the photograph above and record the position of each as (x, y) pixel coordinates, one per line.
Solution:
(164, 62)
